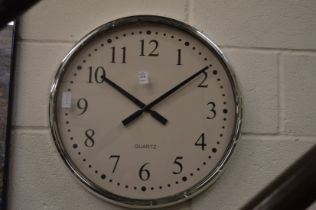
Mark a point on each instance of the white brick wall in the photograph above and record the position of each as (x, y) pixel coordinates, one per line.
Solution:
(270, 44)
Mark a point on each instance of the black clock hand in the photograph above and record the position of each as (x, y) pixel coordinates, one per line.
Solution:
(136, 101)
(136, 114)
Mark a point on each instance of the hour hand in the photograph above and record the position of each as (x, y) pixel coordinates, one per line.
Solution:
(136, 101)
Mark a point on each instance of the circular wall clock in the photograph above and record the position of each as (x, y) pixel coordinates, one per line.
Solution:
(145, 111)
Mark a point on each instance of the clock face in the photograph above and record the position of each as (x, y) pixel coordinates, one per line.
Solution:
(145, 111)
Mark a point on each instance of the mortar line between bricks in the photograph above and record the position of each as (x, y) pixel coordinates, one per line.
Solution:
(268, 49)
(191, 204)
(43, 41)
(279, 84)
(190, 11)
(186, 11)
(35, 128)
(279, 137)
(281, 95)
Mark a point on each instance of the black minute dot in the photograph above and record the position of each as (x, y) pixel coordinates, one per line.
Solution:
(96, 171)
(109, 41)
(205, 59)
(90, 166)
(75, 74)
(191, 174)
(118, 184)
(221, 135)
(172, 37)
(143, 188)
(79, 67)
(124, 35)
(225, 111)
(140, 32)
(69, 89)
(186, 43)
(198, 169)
(177, 182)
(218, 79)
(184, 178)
(148, 32)
(83, 61)
(179, 40)
(67, 122)
(214, 150)
(135, 188)
(224, 103)
(84, 160)
(116, 37)
(71, 138)
(79, 153)
(152, 188)
(223, 127)
(224, 119)
(164, 34)
(218, 142)
(89, 54)
(75, 146)
(95, 49)
(132, 33)
(223, 95)
(102, 45)
(69, 130)
(160, 187)
(221, 86)
(126, 186)
(110, 180)
(200, 53)
(103, 176)
(71, 82)
(209, 157)
(168, 185)
(66, 114)
(215, 72)
(156, 33)
(204, 163)
(193, 48)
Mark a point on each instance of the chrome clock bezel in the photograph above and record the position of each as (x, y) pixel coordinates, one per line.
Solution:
(145, 203)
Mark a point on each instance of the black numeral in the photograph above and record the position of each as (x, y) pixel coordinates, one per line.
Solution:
(212, 112)
(179, 164)
(117, 157)
(89, 141)
(201, 142)
(202, 85)
(123, 60)
(96, 75)
(143, 173)
(154, 43)
(82, 104)
(179, 57)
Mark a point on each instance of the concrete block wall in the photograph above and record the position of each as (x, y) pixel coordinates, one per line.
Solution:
(270, 44)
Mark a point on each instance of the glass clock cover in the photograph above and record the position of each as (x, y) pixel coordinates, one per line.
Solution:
(145, 111)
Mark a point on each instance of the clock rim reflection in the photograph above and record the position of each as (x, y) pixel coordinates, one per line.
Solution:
(145, 203)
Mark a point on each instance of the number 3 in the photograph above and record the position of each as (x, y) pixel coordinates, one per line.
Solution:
(212, 111)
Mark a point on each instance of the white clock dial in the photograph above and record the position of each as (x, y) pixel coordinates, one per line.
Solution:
(145, 111)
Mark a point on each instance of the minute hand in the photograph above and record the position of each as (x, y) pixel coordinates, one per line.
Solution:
(136, 114)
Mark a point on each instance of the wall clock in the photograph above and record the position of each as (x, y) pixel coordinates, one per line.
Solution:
(145, 111)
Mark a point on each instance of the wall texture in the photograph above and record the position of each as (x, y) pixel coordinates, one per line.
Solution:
(271, 45)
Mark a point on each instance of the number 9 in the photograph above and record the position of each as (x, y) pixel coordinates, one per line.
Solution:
(82, 104)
